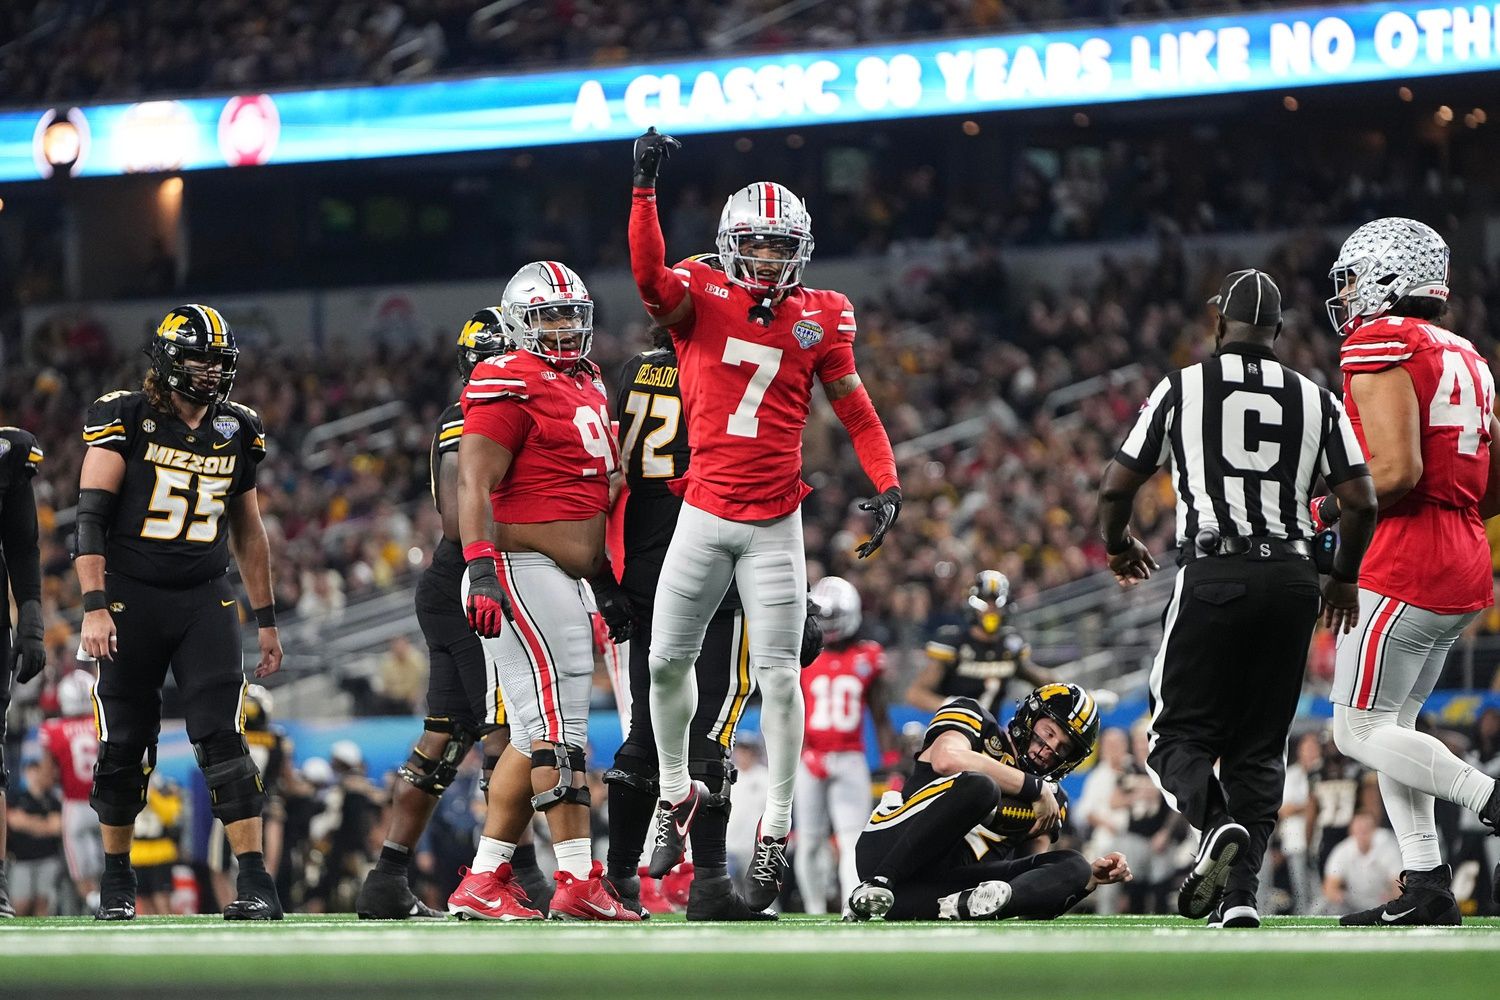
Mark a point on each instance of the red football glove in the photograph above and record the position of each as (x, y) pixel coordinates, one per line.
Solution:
(1325, 512)
(487, 606)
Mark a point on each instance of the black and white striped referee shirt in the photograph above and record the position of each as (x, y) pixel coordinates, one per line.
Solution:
(1247, 438)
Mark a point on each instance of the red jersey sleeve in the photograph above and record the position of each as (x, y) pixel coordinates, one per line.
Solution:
(838, 358)
(504, 421)
(1377, 345)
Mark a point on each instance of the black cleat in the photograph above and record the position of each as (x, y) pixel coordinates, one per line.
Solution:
(257, 899)
(536, 886)
(1490, 814)
(116, 897)
(1426, 900)
(871, 898)
(628, 891)
(388, 897)
(1235, 911)
(6, 910)
(672, 829)
(767, 871)
(1205, 883)
(716, 899)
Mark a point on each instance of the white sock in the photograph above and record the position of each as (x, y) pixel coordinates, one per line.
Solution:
(1384, 742)
(674, 699)
(1412, 817)
(574, 857)
(492, 854)
(781, 723)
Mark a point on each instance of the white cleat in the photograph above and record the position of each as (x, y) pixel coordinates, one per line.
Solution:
(983, 902)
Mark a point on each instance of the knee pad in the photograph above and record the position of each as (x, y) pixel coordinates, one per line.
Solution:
(434, 775)
(235, 790)
(121, 774)
(632, 773)
(1353, 727)
(715, 775)
(572, 759)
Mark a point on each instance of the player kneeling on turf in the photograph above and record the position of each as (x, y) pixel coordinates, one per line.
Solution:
(958, 844)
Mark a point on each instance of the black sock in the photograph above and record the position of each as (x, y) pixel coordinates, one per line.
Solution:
(524, 858)
(117, 864)
(252, 862)
(630, 812)
(710, 831)
(395, 859)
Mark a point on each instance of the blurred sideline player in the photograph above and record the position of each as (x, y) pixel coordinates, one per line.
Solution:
(461, 706)
(980, 661)
(1422, 402)
(271, 749)
(154, 852)
(750, 342)
(654, 450)
(73, 744)
(833, 779)
(23, 651)
(167, 467)
(534, 466)
(932, 852)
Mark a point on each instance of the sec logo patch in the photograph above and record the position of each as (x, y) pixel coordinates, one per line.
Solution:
(807, 332)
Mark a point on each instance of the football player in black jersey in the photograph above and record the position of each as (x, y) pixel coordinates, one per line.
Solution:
(978, 661)
(654, 451)
(22, 653)
(166, 496)
(457, 713)
(939, 850)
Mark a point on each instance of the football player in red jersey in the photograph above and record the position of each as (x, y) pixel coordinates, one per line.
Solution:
(1422, 401)
(750, 343)
(73, 744)
(833, 781)
(537, 454)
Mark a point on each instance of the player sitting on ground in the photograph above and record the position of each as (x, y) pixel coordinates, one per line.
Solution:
(949, 848)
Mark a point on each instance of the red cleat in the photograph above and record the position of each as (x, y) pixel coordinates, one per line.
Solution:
(653, 900)
(590, 898)
(677, 884)
(490, 896)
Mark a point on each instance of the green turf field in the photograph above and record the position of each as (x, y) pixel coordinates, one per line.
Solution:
(1093, 957)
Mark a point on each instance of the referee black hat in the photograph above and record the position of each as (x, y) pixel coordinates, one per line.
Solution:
(1249, 296)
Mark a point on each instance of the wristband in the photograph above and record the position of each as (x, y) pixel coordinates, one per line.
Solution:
(95, 600)
(479, 550)
(1031, 788)
(265, 617)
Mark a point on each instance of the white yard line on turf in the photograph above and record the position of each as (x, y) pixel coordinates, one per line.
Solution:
(314, 940)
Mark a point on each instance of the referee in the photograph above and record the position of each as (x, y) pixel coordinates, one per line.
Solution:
(1247, 438)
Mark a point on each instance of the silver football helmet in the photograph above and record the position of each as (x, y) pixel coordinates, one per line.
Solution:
(75, 694)
(1382, 262)
(840, 609)
(547, 310)
(765, 238)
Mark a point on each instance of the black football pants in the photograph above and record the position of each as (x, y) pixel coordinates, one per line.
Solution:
(1224, 688)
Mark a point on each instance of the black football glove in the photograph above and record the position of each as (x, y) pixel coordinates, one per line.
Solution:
(614, 606)
(650, 149)
(487, 606)
(812, 636)
(887, 507)
(30, 653)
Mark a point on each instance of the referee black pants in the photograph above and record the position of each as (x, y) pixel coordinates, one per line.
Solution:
(1224, 688)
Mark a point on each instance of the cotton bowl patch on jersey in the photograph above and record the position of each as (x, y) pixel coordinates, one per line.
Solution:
(808, 333)
(227, 426)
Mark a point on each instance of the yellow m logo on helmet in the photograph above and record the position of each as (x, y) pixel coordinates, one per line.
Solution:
(466, 336)
(173, 322)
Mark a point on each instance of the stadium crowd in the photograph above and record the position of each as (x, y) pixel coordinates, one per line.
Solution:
(78, 49)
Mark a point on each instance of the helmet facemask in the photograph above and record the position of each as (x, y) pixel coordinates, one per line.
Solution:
(765, 262)
(1073, 711)
(990, 593)
(1381, 263)
(558, 331)
(203, 375)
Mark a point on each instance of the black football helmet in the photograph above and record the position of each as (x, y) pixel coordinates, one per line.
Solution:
(987, 595)
(1074, 711)
(189, 344)
(257, 710)
(482, 337)
(711, 259)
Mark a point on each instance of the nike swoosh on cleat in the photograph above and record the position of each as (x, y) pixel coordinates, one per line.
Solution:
(1391, 918)
(613, 910)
